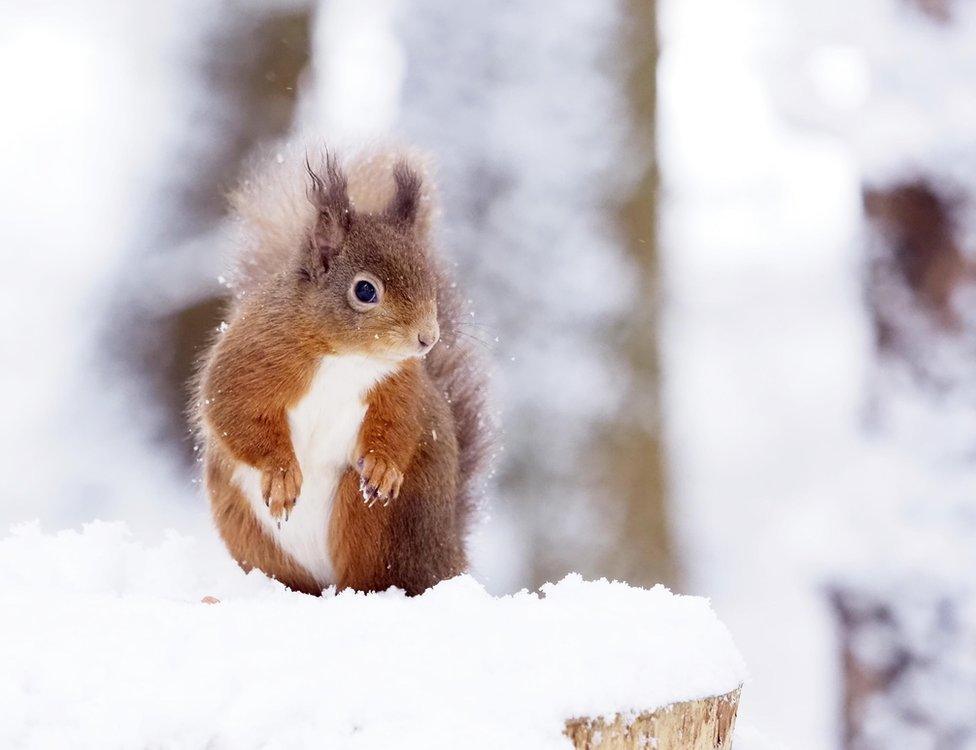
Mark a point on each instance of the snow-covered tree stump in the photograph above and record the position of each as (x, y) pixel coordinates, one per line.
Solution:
(111, 647)
(706, 724)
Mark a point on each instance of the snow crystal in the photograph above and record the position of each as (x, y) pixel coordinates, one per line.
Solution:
(112, 647)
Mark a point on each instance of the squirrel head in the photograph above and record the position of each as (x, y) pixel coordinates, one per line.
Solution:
(368, 278)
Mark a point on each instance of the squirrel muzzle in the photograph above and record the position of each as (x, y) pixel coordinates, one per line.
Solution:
(427, 336)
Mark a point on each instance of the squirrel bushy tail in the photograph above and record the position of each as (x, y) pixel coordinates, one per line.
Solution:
(273, 215)
(460, 373)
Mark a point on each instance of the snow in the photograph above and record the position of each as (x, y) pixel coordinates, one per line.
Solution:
(107, 645)
(747, 737)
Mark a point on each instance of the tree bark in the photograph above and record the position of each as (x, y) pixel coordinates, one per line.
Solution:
(705, 724)
(632, 453)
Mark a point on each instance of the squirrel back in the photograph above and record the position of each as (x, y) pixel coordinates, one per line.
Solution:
(273, 216)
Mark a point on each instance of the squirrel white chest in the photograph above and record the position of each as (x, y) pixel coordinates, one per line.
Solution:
(324, 427)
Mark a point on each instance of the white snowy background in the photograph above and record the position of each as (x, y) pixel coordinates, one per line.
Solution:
(772, 117)
(798, 457)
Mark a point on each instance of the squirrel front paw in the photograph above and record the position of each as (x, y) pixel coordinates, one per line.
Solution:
(280, 487)
(379, 479)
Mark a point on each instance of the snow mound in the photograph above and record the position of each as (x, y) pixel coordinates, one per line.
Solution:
(104, 643)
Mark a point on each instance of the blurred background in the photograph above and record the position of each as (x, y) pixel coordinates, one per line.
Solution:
(721, 254)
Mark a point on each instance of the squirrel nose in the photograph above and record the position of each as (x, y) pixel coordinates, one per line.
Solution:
(428, 337)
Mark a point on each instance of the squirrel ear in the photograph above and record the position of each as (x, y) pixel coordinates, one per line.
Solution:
(405, 206)
(330, 196)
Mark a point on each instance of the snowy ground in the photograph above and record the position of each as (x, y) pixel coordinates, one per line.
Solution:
(105, 644)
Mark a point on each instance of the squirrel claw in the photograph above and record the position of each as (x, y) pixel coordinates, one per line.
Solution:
(380, 480)
(369, 493)
(281, 488)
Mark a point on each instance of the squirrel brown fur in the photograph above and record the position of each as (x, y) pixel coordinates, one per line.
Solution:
(339, 409)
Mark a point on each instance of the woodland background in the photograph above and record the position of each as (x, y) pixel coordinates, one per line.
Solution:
(722, 257)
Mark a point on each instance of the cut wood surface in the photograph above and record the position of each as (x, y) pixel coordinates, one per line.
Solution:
(705, 724)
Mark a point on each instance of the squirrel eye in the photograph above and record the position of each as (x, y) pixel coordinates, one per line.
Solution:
(365, 292)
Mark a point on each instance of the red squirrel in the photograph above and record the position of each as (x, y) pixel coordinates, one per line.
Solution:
(339, 409)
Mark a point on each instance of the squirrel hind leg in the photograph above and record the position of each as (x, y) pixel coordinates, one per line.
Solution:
(358, 538)
(410, 543)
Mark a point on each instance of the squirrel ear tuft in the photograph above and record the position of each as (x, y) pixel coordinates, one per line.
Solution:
(405, 206)
(329, 194)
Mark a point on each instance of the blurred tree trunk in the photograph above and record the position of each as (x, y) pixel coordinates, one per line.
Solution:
(523, 109)
(249, 67)
(254, 67)
(632, 456)
(907, 669)
(907, 643)
(917, 251)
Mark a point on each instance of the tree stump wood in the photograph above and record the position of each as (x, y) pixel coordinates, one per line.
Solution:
(705, 724)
